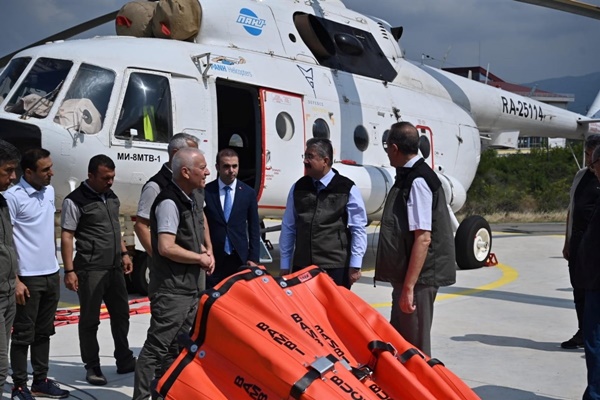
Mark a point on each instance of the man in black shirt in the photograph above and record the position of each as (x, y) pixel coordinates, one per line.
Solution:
(584, 193)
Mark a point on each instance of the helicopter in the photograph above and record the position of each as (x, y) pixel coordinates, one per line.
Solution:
(262, 77)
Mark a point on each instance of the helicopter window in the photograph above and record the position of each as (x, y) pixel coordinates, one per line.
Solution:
(361, 138)
(146, 113)
(343, 47)
(35, 96)
(11, 74)
(320, 129)
(86, 101)
(284, 125)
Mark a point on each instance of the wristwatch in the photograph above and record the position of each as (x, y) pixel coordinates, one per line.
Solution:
(124, 253)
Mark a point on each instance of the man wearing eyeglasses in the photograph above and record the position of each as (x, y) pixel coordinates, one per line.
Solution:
(585, 191)
(325, 220)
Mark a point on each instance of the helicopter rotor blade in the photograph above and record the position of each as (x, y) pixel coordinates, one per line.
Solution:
(66, 34)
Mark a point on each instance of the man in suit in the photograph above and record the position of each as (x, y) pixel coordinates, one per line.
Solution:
(232, 214)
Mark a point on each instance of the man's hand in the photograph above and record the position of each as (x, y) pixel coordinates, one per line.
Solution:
(21, 293)
(565, 251)
(127, 264)
(251, 263)
(354, 275)
(207, 263)
(71, 281)
(407, 301)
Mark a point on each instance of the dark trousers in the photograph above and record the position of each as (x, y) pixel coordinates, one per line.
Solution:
(172, 315)
(94, 287)
(7, 316)
(415, 327)
(591, 340)
(33, 326)
(225, 266)
(579, 299)
(341, 276)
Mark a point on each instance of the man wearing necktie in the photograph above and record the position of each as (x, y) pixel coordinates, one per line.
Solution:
(325, 220)
(232, 214)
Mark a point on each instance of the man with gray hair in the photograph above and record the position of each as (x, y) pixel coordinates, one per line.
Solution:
(589, 266)
(179, 264)
(584, 193)
(9, 159)
(154, 186)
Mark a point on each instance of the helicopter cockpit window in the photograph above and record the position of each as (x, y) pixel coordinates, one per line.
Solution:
(84, 106)
(35, 96)
(11, 74)
(146, 113)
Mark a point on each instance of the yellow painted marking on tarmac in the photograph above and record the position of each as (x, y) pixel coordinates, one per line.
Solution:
(509, 274)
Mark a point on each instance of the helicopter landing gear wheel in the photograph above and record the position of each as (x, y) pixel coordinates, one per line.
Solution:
(473, 242)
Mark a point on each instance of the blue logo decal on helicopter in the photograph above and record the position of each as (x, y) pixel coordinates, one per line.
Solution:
(252, 24)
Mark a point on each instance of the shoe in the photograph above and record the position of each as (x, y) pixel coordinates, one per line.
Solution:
(48, 388)
(128, 367)
(21, 393)
(576, 342)
(94, 376)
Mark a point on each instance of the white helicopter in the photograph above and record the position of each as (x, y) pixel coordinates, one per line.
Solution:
(263, 77)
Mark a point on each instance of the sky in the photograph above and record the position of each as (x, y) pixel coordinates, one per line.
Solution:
(520, 42)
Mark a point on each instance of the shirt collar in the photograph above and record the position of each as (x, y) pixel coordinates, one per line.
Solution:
(222, 185)
(184, 193)
(327, 178)
(30, 190)
(412, 162)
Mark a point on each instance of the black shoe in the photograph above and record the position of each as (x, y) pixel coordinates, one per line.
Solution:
(21, 393)
(576, 342)
(48, 388)
(127, 367)
(94, 376)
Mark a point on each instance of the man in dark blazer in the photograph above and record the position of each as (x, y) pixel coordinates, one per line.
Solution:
(235, 237)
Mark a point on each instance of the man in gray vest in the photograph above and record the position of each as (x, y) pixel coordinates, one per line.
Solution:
(329, 211)
(90, 214)
(9, 159)
(415, 218)
(179, 263)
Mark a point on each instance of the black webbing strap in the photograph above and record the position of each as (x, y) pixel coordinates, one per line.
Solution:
(312, 375)
(434, 361)
(213, 296)
(376, 347)
(307, 275)
(408, 354)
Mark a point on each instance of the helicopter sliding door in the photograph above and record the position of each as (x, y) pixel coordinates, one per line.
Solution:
(283, 130)
(239, 128)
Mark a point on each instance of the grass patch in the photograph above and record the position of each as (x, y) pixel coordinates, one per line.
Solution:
(522, 217)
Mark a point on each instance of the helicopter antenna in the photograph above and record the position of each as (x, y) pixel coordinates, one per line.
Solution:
(445, 56)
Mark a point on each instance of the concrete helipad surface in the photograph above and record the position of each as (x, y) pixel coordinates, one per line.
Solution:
(498, 328)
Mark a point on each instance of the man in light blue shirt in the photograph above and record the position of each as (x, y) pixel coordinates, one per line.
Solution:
(325, 219)
(31, 205)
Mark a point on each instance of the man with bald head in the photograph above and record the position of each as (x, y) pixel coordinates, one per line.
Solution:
(416, 244)
(179, 263)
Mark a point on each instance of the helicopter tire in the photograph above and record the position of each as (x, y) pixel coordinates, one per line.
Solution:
(140, 275)
(473, 242)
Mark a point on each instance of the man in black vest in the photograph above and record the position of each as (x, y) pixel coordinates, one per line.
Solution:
(584, 193)
(325, 221)
(415, 218)
(179, 263)
(90, 214)
(154, 186)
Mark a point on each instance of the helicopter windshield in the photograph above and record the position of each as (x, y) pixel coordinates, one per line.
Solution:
(11, 74)
(84, 106)
(35, 96)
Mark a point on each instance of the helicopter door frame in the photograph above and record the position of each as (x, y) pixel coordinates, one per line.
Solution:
(130, 142)
(284, 138)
